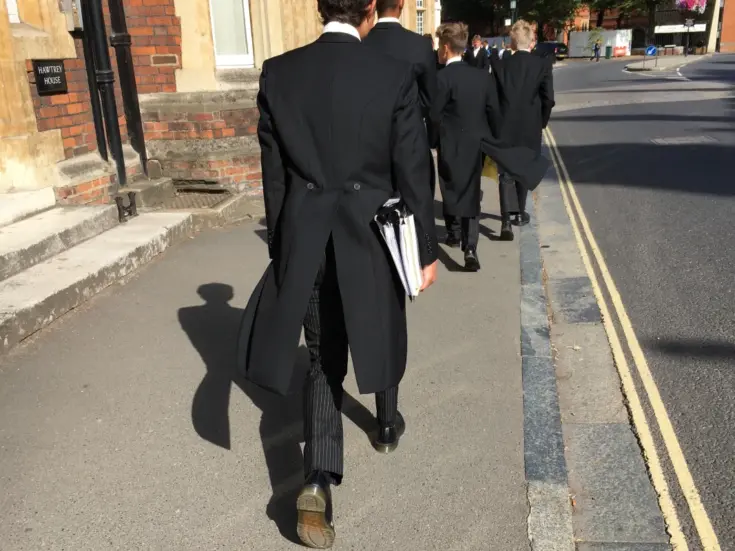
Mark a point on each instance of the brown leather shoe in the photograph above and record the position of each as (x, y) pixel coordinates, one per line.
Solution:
(314, 506)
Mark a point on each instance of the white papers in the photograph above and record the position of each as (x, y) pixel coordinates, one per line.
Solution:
(398, 229)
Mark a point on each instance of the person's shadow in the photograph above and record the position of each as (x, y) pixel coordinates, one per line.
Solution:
(213, 329)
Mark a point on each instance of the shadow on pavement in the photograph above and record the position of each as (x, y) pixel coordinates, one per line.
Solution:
(212, 329)
(711, 349)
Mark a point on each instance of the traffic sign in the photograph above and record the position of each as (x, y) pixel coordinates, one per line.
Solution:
(651, 50)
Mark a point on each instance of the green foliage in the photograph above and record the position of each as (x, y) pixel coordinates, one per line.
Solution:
(476, 12)
(556, 13)
(594, 36)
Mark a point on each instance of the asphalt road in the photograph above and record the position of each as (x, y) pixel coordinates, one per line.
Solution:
(663, 213)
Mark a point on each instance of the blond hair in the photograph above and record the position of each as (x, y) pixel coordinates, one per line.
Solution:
(453, 34)
(521, 35)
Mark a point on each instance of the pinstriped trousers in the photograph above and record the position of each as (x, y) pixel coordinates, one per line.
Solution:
(326, 339)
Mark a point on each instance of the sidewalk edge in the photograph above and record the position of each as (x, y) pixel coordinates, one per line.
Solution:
(550, 514)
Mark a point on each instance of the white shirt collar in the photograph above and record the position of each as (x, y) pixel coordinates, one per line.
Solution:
(389, 20)
(454, 59)
(338, 27)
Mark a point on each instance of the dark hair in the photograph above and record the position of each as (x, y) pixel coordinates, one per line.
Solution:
(352, 12)
(382, 6)
(453, 34)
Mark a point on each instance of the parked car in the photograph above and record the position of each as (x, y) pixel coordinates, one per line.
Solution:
(557, 49)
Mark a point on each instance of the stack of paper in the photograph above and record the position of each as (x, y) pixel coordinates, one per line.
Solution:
(398, 228)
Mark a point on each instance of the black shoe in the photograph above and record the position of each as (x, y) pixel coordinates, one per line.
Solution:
(522, 219)
(388, 436)
(314, 506)
(471, 261)
(452, 241)
(506, 231)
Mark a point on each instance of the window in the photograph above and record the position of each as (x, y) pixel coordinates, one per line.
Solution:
(420, 4)
(233, 41)
(420, 22)
(13, 11)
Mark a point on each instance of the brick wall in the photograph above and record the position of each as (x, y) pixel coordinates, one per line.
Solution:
(156, 47)
(207, 136)
(156, 33)
(182, 125)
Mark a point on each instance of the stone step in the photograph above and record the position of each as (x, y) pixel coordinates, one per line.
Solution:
(32, 299)
(33, 240)
(21, 204)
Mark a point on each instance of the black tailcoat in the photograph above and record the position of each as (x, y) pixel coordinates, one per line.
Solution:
(481, 60)
(466, 112)
(392, 39)
(340, 132)
(526, 93)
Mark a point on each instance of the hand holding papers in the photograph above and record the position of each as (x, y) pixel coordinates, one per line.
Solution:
(398, 228)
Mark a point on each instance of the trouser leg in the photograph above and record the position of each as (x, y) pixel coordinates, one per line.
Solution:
(386, 406)
(522, 194)
(508, 196)
(453, 225)
(470, 232)
(326, 339)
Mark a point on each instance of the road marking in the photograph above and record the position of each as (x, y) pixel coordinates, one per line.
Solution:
(661, 75)
(677, 539)
(671, 442)
(684, 140)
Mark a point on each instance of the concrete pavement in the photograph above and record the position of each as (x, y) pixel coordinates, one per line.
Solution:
(120, 427)
(664, 63)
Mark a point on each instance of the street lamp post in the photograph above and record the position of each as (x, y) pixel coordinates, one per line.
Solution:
(513, 5)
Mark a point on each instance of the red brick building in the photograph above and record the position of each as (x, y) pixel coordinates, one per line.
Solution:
(727, 33)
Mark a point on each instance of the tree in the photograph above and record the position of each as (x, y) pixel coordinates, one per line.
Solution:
(478, 14)
(556, 14)
(648, 7)
(603, 6)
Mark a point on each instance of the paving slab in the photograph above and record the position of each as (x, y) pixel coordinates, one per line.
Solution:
(39, 237)
(17, 205)
(121, 426)
(614, 499)
(41, 294)
(572, 300)
(623, 547)
(588, 383)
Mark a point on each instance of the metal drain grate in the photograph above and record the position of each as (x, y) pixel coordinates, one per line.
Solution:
(196, 194)
(196, 200)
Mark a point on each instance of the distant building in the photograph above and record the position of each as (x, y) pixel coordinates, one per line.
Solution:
(670, 25)
(726, 36)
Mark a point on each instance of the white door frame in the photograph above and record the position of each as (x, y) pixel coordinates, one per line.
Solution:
(12, 11)
(241, 60)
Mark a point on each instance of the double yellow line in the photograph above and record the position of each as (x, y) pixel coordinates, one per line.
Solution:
(671, 442)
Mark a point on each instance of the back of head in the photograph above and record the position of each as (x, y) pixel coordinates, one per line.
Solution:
(454, 35)
(521, 35)
(352, 12)
(388, 6)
